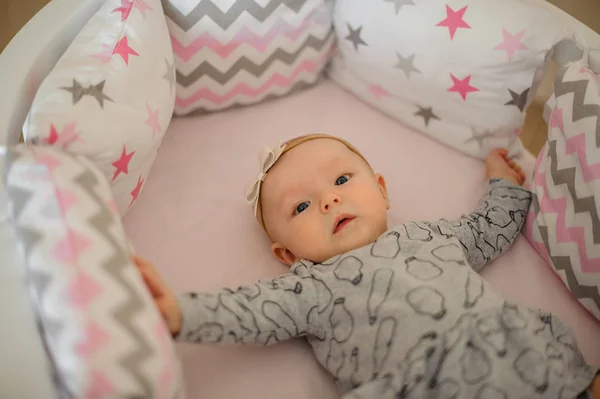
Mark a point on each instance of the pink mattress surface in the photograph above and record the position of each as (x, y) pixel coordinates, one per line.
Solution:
(193, 223)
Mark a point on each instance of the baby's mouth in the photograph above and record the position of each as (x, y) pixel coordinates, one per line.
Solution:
(341, 222)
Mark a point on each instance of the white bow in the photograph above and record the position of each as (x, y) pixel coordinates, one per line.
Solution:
(267, 159)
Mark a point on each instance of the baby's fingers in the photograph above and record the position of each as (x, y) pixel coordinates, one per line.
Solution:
(150, 276)
(501, 151)
(518, 169)
(154, 286)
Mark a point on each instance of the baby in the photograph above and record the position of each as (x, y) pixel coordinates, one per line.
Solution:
(390, 313)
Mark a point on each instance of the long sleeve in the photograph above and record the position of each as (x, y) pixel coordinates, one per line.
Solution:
(263, 313)
(494, 225)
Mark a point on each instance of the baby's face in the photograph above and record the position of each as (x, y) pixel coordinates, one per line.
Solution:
(321, 199)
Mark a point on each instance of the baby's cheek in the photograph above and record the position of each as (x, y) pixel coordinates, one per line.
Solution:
(308, 240)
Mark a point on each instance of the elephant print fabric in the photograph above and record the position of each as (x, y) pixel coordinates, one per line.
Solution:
(408, 316)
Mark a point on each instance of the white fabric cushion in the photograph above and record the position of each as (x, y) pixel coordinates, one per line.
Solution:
(194, 224)
(111, 95)
(240, 52)
(459, 71)
(103, 333)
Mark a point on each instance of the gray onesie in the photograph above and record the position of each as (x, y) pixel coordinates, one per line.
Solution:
(408, 316)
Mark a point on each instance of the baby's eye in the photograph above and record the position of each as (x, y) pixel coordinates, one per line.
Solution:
(301, 208)
(343, 179)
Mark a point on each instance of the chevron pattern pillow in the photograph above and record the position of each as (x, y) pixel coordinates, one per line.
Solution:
(233, 53)
(101, 329)
(563, 222)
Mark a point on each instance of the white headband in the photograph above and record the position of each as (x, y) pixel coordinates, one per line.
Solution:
(267, 159)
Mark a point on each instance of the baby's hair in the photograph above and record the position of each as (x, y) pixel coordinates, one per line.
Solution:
(289, 145)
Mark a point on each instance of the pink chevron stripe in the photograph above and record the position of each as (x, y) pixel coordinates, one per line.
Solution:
(94, 339)
(243, 89)
(577, 145)
(247, 36)
(99, 386)
(566, 234)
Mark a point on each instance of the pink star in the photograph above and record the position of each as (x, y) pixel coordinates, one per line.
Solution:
(122, 48)
(142, 7)
(136, 191)
(462, 86)
(99, 387)
(125, 9)
(70, 247)
(152, 120)
(454, 20)
(378, 91)
(122, 164)
(82, 290)
(556, 119)
(64, 138)
(512, 43)
(66, 199)
(94, 338)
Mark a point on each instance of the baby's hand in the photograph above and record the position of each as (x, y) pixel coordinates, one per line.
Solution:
(164, 298)
(499, 165)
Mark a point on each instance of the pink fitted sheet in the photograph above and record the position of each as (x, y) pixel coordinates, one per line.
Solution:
(193, 223)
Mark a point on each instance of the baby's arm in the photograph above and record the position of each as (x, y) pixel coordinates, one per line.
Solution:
(263, 313)
(494, 225)
(499, 217)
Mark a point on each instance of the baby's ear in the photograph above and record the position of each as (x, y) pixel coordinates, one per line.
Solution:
(382, 188)
(284, 255)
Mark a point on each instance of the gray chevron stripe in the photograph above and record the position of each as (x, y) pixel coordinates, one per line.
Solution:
(37, 279)
(206, 8)
(299, 86)
(580, 109)
(19, 199)
(115, 266)
(563, 263)
(245, 64)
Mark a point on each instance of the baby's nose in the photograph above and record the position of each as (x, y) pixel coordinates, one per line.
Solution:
(329, 200)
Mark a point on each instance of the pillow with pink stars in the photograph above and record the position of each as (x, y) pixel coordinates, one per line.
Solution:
(111, 95)
(459, 71)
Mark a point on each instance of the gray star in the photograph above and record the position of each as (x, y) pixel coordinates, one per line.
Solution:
(406, 64)
(354, 37)
(96, 91)
(427, 114)
(169, 76)
(480, 136)
(518, 100)
(399, 3)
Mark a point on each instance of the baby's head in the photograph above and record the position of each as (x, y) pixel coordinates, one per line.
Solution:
(321, 198)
